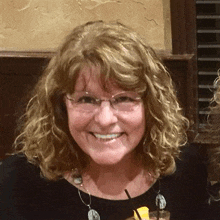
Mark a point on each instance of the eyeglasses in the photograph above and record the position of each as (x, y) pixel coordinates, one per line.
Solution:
(87, 102)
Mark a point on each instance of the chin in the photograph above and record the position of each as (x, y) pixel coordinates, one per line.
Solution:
(108, 160)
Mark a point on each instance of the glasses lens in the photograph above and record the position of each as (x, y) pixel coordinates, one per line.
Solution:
(126, 101)
(83, 101)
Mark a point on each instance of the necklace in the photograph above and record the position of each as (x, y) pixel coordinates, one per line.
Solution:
(92, 213)
(160, 200)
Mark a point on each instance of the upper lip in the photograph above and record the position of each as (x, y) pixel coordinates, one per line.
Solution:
(106, 133)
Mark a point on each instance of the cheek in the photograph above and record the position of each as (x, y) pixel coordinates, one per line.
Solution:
(135, 125)
(77, 122)
(137, 120)
(138, 128)
(138, 132)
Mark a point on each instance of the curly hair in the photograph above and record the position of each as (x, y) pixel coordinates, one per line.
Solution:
(213, 131)
(124, 57)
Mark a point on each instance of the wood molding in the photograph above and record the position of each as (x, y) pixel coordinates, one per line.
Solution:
(183, 26)
(49, 53)
(27, 54)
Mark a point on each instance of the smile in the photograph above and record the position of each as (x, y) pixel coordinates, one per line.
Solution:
(107, 136)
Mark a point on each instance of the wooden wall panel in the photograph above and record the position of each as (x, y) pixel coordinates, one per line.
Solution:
(20, 71)
(17, 77)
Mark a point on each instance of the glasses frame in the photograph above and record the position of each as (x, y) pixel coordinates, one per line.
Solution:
(111, 100)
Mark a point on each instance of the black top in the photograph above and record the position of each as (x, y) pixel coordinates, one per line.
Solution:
(25, 195)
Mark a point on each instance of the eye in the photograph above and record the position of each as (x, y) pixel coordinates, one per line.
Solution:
(123, 99)
(87, 99)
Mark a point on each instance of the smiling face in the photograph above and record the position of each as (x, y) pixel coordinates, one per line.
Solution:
(107, 136)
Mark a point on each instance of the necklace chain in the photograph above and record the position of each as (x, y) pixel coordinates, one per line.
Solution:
(90, 200)
(92, 214)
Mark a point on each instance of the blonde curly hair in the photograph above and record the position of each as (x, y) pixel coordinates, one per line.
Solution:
(124, 57)
(213, 132)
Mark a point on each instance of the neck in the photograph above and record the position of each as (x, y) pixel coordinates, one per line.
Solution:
(127, 168)
(111, 181)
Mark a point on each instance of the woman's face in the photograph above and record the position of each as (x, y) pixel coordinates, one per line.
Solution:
(108, 136)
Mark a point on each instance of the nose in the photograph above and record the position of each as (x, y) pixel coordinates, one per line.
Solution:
(105, 115)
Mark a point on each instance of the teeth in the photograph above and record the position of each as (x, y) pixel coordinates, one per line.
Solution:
(107, 136)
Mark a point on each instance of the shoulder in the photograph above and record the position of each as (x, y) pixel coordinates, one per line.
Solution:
(191, 161)
(17, 175)
(190, 166)
(185, 189)
(25, 193)
(191, 170)
(16, 165)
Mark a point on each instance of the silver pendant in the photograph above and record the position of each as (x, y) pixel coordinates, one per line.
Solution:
(160, 201)
(78, 180)
(93, 215)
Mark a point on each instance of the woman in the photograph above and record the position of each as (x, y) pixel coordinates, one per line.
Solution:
(104, 118)
(213, 131)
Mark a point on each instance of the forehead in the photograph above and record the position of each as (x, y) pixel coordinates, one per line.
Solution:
(90, 80)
